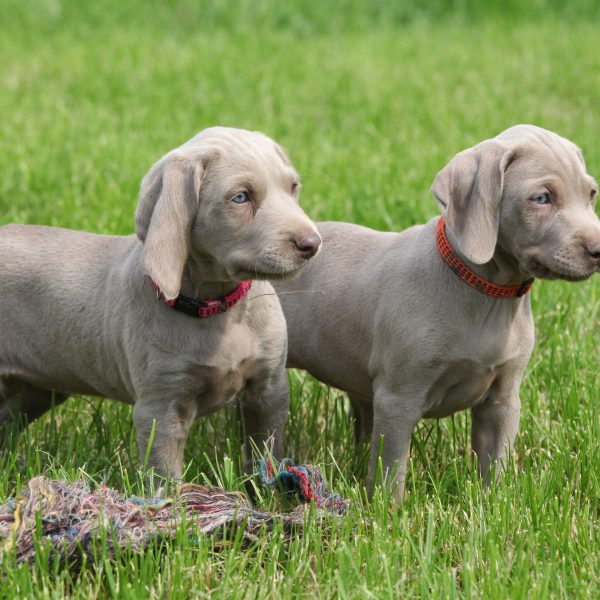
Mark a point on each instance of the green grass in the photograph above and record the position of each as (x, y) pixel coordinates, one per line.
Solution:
(371, 100)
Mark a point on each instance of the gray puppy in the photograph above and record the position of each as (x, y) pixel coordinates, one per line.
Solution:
(384, 316)
(88, 314)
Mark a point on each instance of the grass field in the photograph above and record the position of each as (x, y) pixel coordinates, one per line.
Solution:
(371, 100)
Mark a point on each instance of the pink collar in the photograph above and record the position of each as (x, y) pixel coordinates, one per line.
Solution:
(205, 308)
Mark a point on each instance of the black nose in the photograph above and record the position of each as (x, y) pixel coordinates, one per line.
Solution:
(308, 244)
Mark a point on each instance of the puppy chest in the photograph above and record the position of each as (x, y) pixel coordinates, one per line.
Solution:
(460, 385)
(221, 386)
(485, 359)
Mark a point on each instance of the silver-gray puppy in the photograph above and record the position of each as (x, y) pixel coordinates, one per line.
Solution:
(384, 317)
(80, 313)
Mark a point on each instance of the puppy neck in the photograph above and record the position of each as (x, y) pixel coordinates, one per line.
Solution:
(203, 277)
(502, 269)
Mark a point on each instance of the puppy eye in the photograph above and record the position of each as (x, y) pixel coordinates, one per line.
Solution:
(240, 198)
(295, 187)
(593, 195)
(542, 199)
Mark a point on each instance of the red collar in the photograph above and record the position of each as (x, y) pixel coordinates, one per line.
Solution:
(469, 277)
(205, 308)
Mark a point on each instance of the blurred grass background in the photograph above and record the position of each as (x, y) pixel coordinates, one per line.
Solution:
(370, 99)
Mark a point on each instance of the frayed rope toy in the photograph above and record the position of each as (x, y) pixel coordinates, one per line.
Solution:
(304, 482)
(70, 518)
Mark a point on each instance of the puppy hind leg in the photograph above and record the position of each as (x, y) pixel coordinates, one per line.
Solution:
(22, 403)
(362, 409)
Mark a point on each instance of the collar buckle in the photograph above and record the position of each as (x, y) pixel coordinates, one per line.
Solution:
(525, 287)
(187, 306)
(217, 306)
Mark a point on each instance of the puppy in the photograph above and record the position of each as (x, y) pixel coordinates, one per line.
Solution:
(437, 319)
(179, 320)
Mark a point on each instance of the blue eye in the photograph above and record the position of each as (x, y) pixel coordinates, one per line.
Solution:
(240, 198)
(542, 199)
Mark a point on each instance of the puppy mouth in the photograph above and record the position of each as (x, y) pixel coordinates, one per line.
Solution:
(266, 273)
(274, 276)
(541, 271)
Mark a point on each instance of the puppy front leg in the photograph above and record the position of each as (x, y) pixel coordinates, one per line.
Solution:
(170, 422)
(264, 415)
(494, 427)
(395, 418)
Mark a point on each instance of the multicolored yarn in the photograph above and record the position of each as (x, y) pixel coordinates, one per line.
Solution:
(302, 481)
(70, 517)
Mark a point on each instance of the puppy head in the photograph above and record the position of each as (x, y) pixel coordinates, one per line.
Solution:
(527, 192)
(227, 195)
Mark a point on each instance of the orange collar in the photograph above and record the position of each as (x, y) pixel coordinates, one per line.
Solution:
(469, 277)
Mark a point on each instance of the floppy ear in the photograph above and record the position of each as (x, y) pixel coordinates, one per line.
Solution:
(469, 190)
(167, 205)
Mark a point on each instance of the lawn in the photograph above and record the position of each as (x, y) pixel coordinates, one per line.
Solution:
(370, 100)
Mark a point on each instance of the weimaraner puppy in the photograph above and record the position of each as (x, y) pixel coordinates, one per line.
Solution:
(437, 319)
(179, 320)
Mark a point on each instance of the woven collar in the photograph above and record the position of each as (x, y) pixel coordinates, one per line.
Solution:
(205, 308)
(469, 277)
